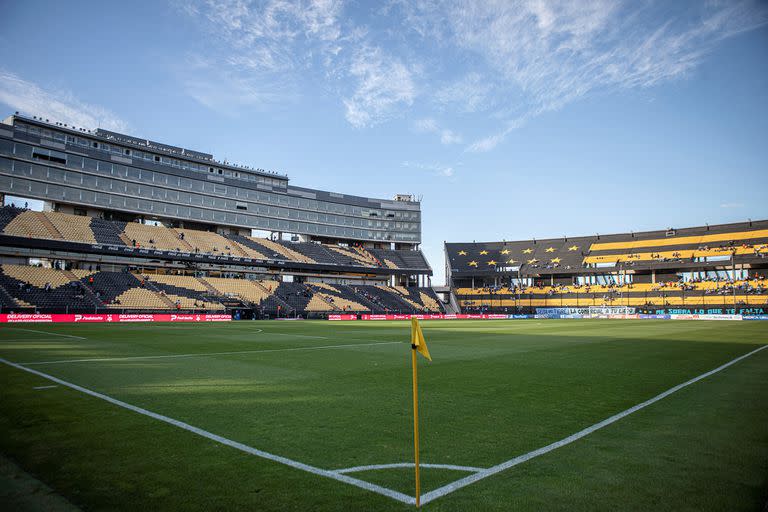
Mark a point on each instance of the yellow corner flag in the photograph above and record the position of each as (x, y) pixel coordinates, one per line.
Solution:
(418, 344)
(417, 339)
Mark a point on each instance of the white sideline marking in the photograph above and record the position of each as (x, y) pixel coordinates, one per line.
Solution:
(398, 496)
(47, 332)
(485, 473)
(205, 354)
(298, 335)
(44, 387)
(404, 498)
(374, 467)
(4, 340)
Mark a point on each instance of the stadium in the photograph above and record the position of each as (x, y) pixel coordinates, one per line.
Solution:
(181, 332)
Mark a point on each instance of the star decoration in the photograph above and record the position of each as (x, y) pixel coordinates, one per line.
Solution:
(555, 260)
(462, 253)
(511, 261)
(573, 248)
(505, 251)
(483, 253)
(527, 251)
(531, 262)
(550, 249)
(492, 262)
(472, 263)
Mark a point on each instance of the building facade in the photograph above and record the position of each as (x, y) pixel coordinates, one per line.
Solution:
(103, 173)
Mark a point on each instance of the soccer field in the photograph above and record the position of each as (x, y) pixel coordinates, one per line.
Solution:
(317, 415)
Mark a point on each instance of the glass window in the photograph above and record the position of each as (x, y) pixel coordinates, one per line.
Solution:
(90, 164)
(23, 151)
(6, 147)
(21, 168)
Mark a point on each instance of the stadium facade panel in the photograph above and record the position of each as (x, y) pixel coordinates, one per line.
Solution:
(104, 171)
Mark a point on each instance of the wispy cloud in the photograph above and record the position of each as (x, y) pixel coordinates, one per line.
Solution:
(230, 89)
(497, 63)
(382, 83)
(545, 55)
(732, 205)
(448, 137)
(258, 51)
(29, 98)
(490, 142)
(443, 171)
(468, 94)
(429, 125)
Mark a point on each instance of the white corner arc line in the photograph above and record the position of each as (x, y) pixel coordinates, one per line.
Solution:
(373, 467)
(398, 496)
(404, 498)
(485, 473)
(205, 354)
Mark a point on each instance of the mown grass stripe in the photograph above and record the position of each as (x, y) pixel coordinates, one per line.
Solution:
(480, 475)
(205, 354)
(223, 440)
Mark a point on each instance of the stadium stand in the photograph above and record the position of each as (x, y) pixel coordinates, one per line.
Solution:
(106, 232)
(133, 225)
(26, 286)
(79, 290)
(86, 230)
(185, 292)
(340, 298)
(707, 267)
(7, 214)
(70, 227)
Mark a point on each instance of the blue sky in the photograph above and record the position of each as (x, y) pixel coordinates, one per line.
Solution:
(511, 119)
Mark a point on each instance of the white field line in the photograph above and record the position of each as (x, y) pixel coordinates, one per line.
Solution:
(206, 354)
(10, 340)
(47, 332)
(36, 388)
(338, 474)
(405, 337)
(485, 473)
(374, 467)
(223, 440)
(299, 335)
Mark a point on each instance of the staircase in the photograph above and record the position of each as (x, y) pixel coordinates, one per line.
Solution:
(45, 221)
(285, 306)
(368, 256)
(183, 244)
(453, 304)
(149, 285)
(127, 241)
(6, 298)
(208, 286)
(87, 289)
(359, 298)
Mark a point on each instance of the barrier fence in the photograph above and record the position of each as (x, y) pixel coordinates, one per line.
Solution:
(172, 317)
(116, 318)
(610, 316)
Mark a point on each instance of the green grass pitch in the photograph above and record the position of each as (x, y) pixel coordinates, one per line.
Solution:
(336, 395)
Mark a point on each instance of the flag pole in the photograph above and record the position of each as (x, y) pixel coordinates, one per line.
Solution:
(416, 423)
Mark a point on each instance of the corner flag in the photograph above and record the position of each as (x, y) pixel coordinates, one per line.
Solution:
(417, 339)
(418, 344)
